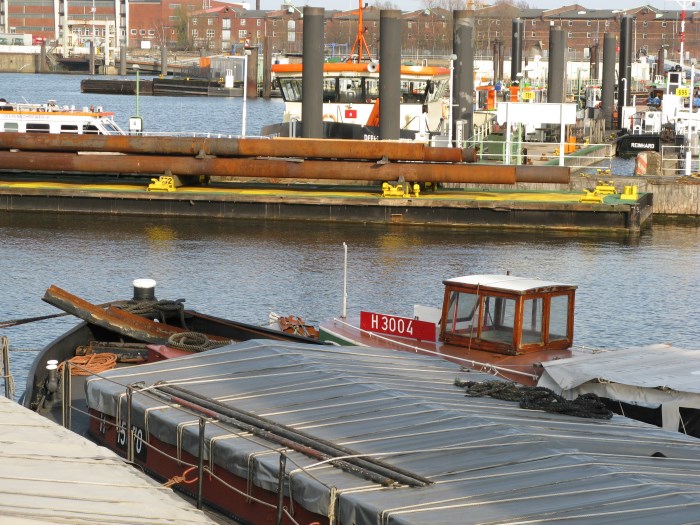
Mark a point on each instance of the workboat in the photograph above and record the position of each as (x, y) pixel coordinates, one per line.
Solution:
(119, 334)
(522, 329)
(274, 430)
(500, 324)
(351, 97)
(53, 118)
(351, 100)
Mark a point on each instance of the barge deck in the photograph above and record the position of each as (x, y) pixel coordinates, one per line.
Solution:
(469, 207)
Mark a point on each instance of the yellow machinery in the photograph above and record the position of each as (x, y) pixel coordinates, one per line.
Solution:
(163, 183)
(401, 190)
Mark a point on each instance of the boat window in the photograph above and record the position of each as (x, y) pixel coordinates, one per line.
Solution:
(439, 90)
(38, 128)
(460, 313)
(11, 127)
(350, 90)
(371, 89)
(69, 128)
(558, 318)
(291, 89)
(90, 129)
(111, 128)
(498, 319)
(329, 90)
(532, 321)
(414, 91)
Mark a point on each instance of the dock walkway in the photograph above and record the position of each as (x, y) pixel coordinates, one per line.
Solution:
(51, 475)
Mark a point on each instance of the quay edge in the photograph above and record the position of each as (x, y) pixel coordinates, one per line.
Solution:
(507, 209)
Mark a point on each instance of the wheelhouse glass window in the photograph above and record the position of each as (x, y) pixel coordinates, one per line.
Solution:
(559, 318)
(460, 320)
(291, 89)
(498, 319)
(11, 127)
(533, 312)
(69, 128)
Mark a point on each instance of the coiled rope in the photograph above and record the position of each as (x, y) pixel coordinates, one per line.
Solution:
(154, 308)
(90, 364)
(538, 398)
(194, 342)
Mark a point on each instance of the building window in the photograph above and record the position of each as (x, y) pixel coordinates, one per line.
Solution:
(607, 23)
(210, 33)
(571, 34)
(142, 32)
(259, 22)
(242, 33)
(663, 24)
(210, 21)
(588, 23)
(571, 22)
(663, 36)
(258, 34)
(226, 23)
(151, 32)
(133, 31)
(194, 33)
(534, 22)
(242, 22)
(646, 23)
(588, 35)
(645, 35)
(498, 22)
(194, 21)
(532, 34)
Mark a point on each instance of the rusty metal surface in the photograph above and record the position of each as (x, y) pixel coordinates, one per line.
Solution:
(257, 168)
(543, 174)
(237, 147)
(124, 323)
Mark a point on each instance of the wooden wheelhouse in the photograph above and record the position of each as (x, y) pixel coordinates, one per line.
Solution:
(508, 315)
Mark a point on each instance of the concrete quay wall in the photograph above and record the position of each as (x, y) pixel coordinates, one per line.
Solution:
(677, 196)
(18, 63)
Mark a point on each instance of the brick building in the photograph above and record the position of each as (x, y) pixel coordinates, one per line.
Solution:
(221, 26)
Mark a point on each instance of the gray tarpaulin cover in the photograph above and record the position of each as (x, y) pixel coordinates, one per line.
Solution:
(650, 376)
(489, 460)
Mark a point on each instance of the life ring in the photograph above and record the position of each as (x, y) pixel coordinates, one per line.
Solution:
(329, 118)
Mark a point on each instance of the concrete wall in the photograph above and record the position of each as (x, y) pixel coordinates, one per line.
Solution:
(18, 63)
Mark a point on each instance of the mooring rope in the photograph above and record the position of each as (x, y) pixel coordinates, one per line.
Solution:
(87, 365)
(194, 342)
(538, 398)
(154, 308)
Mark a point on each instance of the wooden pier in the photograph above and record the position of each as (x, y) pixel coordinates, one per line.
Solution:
(51, 475)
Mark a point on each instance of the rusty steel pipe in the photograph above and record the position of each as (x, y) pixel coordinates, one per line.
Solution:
(258, 168)
(238, 147)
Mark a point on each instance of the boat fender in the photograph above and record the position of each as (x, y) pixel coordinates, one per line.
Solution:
(329, 118)
(372, 67)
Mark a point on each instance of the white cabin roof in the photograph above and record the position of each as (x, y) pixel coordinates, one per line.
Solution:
(510, 283)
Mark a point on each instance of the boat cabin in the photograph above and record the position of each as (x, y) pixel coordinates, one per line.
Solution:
(55, 119)
(508, 315)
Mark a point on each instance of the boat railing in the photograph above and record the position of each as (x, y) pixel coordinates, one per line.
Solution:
(680, 161)
(578, 156)
(198, 134)
(135, 439)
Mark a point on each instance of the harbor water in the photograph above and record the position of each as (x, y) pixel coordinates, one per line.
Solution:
(633, 290)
